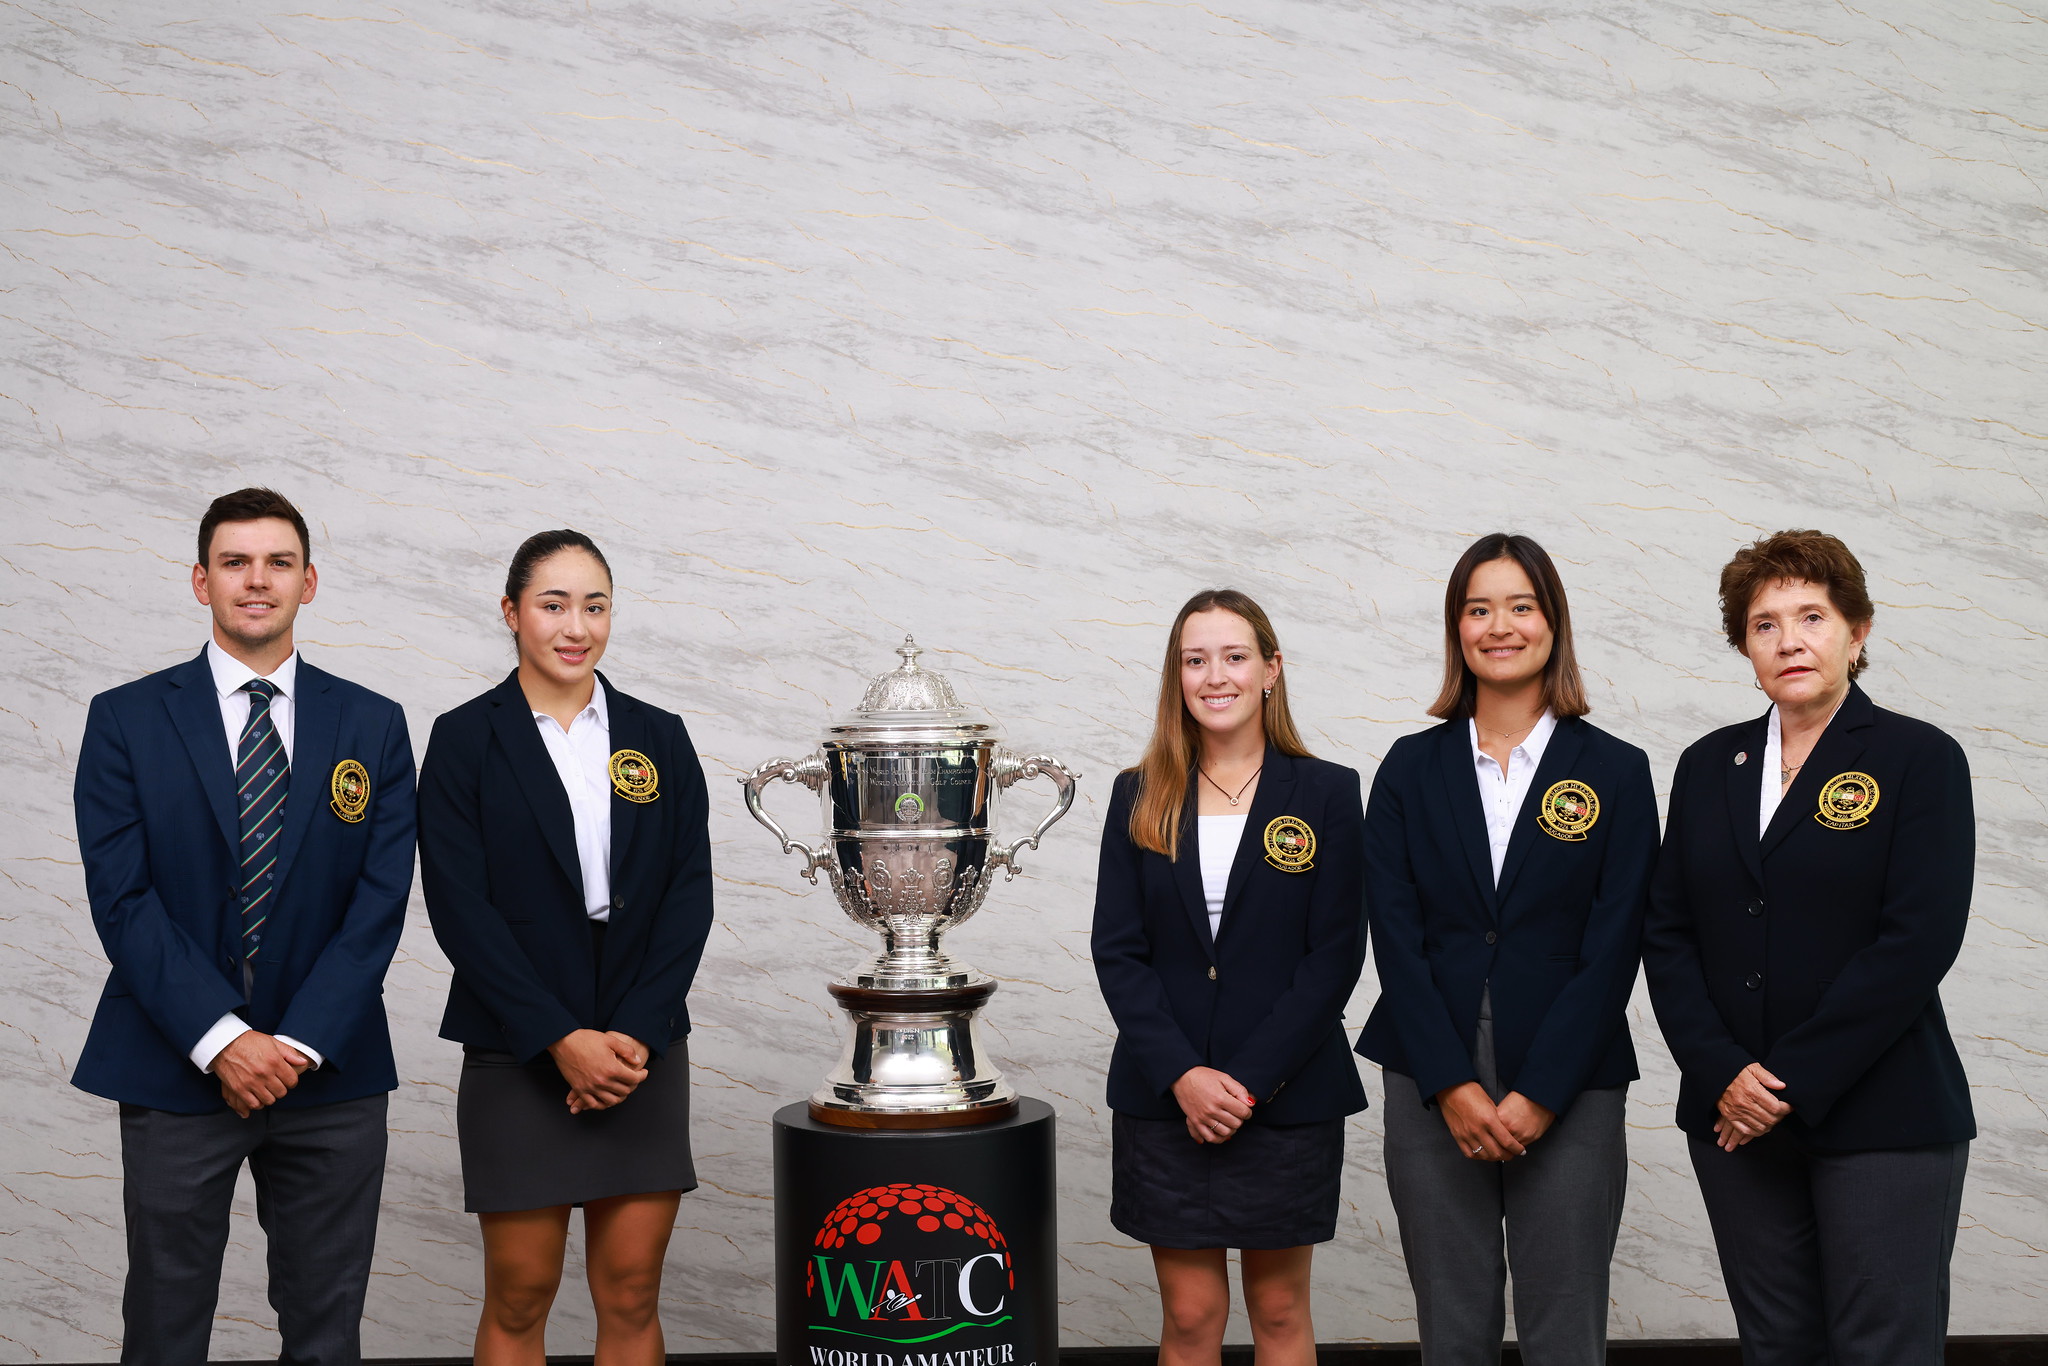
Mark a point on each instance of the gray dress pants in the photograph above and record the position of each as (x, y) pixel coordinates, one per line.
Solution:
(319, 1172)
(1560, 1204)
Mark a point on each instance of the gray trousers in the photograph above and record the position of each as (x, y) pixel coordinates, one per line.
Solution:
(319, 1173)
(1834, 1259)
(1560, 1204)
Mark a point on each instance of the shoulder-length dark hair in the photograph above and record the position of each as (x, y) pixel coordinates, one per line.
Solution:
(1176, 744)
(1563, 691)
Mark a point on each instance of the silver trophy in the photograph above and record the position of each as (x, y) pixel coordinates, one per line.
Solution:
(908, 782)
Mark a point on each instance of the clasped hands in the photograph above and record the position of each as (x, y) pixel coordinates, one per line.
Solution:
(602, 1068)
(1213, 1103)
(1748, 1109)
(1486, 1132)
(255, 1071)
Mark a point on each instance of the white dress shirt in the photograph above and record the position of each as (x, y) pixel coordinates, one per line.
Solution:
(1218, 837)
(1501, 794)
(229, 677)
(582, 756)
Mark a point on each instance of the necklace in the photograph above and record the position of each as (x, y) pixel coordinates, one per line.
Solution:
(1508, 734)
(1226, 791)
(1785, 774)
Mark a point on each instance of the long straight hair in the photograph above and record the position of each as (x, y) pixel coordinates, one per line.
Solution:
(1563, 691)
(1176, 745)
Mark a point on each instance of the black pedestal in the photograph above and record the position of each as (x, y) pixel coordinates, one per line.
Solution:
(916, 1247)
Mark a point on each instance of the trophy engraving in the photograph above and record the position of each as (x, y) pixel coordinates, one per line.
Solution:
(908, 782)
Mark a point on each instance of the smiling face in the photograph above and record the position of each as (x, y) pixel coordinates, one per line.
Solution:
(1222, 678)
(564, 617)
(255, 578)
(1503, 632)
(1800, 644)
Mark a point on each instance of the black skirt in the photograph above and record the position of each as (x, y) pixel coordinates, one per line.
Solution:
(522, 1149)
(1269, 1186)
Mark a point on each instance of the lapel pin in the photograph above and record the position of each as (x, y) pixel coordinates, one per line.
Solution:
(1741, 758)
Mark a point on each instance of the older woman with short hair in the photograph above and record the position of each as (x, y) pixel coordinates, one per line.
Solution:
(1812, 893)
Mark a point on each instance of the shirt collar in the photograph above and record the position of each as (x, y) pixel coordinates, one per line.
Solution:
(597, 708)
(231, 674)
(1532, 746)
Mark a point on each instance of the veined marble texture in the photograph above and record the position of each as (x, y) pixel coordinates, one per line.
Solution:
(1011, 325)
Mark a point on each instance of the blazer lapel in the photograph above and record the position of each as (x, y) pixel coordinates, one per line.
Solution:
(1837, 751)
(629, 730)
(512, 720)
(316, 720)
(1743, 784)
(1455, 770)
(195, 715)
(1187, 869)
(1558, 758)
(1276, 790)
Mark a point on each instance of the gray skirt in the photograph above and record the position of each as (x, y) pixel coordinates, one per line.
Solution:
(522, 1149)
(1269, 1186)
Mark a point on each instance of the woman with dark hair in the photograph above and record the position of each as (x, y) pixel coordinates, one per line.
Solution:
(1508, 855)
(1229, 930)
(567, 871)
(1812, 893)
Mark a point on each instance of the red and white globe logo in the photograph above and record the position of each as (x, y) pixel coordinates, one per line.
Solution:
(908, 1263)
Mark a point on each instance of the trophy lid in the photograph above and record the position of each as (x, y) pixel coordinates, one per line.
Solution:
(908, 697)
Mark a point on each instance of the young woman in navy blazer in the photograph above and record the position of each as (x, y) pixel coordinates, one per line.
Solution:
(1229, 929)
(1813, 891)
(1508, 856)
(567, 870)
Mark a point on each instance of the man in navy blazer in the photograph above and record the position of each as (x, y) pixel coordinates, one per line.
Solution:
(246, 825)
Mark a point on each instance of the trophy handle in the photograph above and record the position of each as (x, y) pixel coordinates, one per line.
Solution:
(810, 771)
(1012, 768)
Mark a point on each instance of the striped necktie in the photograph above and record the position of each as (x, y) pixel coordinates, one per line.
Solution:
(262, 778)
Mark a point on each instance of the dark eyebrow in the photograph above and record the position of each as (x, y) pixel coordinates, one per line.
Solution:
(1511, 597)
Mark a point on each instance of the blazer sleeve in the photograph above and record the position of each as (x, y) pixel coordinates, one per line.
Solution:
(1699, 1039)
(176, 980)
(1431, 1041)
(1312, 1005)
(1882, 989)
(683, 922)
(1580, 1025)
(341, 1000)
(454, 875)
(1131, 987)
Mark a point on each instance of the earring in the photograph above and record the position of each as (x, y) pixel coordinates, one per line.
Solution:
(1757, 683)
(1269, 692)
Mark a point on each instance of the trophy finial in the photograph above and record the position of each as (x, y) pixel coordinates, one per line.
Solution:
(910, 651)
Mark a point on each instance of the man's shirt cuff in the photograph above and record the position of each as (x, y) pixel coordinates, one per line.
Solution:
(225, 1031)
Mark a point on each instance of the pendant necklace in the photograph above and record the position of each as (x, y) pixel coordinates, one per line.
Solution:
(1225, 791)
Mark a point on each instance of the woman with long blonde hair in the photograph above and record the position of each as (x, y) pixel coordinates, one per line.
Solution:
(1229, 929)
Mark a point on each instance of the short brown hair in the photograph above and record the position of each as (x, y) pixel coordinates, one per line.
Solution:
(1176, 745)
(1813, 556)
(251, 505)
(1564, 692)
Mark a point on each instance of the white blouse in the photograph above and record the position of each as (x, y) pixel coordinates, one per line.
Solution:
(582, 756)
(1218, 837)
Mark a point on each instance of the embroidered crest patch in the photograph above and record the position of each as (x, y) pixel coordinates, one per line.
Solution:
(1290, 844)
(633, 776)
(1568, 810)
(1846, 801)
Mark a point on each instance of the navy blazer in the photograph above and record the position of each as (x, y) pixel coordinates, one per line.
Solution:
(505, 889)
(1558, 940)
(1817, 951)
(161, 844)
(1263, 1001)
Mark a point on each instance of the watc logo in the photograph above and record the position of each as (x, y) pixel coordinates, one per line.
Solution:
(908, 1264)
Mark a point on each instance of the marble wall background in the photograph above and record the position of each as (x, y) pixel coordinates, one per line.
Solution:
(1009, 324)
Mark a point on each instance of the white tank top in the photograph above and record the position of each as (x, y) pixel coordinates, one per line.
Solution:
(1218, 837)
